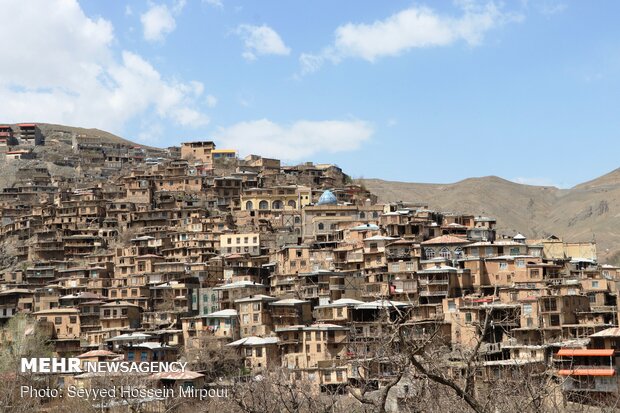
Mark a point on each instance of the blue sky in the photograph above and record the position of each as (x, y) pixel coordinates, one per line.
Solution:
(412, 91)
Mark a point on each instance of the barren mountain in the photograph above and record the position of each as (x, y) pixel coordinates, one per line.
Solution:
(585, 212)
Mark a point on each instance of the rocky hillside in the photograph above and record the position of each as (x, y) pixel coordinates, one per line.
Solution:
(587, 211)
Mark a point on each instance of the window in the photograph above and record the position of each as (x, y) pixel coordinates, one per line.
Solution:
(550, 305)
(445, 253)
(72, 319)
(468, 318)
(592, 298)
(527, 309)
(555, 320)
(514, 251)
(292, 204)
(451, 306)
(458, 253)
(430, 253)
(318, 348)
(503, 265)
(143, 356)
(594, 284)
(520, 263)
(321, 226)
(263, 205)
(58, 320)
(259, 352)
(534, 273)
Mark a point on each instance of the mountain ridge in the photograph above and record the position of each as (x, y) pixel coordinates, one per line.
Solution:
(587, 211)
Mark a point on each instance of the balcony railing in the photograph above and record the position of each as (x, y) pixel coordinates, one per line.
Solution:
(424, 281)
(433, 293)
(606, 385)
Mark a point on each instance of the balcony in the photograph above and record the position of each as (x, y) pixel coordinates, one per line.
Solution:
(488, 348)
(591, 384)
(433, 293)
(426, 281)
(603, 308)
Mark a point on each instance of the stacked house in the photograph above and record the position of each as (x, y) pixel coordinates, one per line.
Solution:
(293, 267)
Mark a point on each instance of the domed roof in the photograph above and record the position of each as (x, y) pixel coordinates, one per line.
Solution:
(327, 198)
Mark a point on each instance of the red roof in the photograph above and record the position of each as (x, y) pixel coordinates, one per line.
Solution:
(27, 125)
(580, 352)
(588, 372)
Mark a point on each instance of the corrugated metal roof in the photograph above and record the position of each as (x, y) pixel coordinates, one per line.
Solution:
(588, 372)
(586, 352)
(609, 332)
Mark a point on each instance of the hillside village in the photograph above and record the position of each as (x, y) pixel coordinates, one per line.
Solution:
(145, 254)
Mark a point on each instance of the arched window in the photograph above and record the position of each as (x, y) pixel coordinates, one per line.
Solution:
(292, 204)
(263, 205)
(445, 253)
(297, 220)
(249, 206)
(277, 204)
(362, 215)
(458, 253)
(321, 226)
(430, 253)
(375, 214)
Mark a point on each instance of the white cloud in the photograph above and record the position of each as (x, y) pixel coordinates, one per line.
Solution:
(298, 141)
(535, 181)
(150, 132)
(549, 8)
(158, 21)
(415, 27)
(211, 101)
(178, 5)
(261, 40)
(82, 82)
(214, 3)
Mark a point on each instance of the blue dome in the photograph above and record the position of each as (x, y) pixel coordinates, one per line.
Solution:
(327, 198)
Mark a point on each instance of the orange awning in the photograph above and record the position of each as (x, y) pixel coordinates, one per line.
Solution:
(588, 372)
(579, 352)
